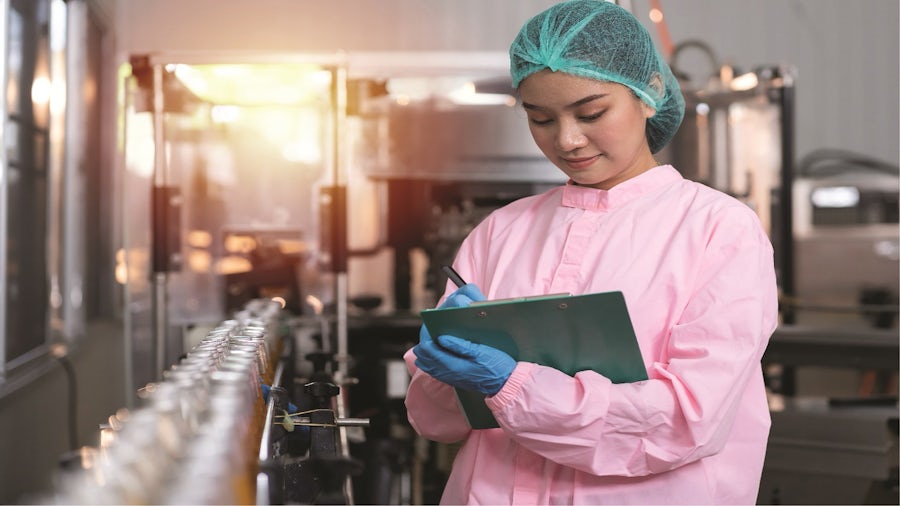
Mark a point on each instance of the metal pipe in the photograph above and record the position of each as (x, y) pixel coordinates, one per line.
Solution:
(58, 180)
(127, 317)
(339, 256)
(263, 483)
(159, 182)
(4, 187)
(786, 190)
(270, 417)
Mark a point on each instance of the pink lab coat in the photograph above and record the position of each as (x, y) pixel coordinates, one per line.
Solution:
(697, 272)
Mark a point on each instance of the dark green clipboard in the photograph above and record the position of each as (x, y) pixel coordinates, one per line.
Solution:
(570, 333)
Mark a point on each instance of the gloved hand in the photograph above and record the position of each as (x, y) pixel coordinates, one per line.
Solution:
(463, 296)
(463, 364)
(287, 420)
(265, 393)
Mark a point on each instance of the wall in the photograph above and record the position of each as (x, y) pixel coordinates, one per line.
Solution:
(34, 420)
(846, 55)
(34, 402)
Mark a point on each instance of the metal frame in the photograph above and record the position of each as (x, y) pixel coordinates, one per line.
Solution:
(59, 207)
(4, 188)
(336, 62)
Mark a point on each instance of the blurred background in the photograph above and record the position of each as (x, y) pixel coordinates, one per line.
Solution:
(190, 181)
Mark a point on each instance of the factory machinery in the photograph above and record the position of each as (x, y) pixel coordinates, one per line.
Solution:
(225, 425)
(317, 415)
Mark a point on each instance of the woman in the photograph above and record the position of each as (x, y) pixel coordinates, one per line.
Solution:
(695, 266)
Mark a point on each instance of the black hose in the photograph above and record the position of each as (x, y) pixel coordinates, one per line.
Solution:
(705, 48)
(72, 411)
(828, 162)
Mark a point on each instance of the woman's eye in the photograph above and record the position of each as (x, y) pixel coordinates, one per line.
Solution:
(592, 117)
(540, 122)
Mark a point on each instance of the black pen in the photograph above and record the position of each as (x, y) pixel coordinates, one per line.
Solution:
(453, 275)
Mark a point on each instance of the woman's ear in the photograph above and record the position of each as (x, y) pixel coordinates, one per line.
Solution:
(656, 84)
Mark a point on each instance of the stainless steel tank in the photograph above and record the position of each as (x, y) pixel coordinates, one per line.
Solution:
(732, 136)
(738, 136)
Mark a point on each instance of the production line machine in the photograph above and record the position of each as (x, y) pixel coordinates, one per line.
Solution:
(830, 446)
(831, 366)
(230, 423)
(333, 426)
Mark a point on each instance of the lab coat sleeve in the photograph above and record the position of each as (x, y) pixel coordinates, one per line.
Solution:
(685, 411)
(431, 406)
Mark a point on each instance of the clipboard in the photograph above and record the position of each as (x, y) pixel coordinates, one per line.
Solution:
(570, 333)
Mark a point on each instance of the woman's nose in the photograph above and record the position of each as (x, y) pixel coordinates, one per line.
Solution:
(569, 136)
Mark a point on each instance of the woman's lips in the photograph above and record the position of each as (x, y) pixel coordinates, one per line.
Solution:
(581, 162)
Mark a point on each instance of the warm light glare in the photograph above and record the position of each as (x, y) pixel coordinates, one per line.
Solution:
(746, 81)
(281, 301)
(41, 90)
(199, 261)
(225, 113)
(141, 153)
(316, 304)
(121, 274)
(107, 437)
(121, 267)
(287, 95)
(199, 239)
(726, 73)
(12, 92)
(58, 97)
(887, 249)
(302, 151)
(279, 127)
(245, 84)
(483, 99)
(132, 266)
(239, 244)
(291, 246)
(192, 79)
(58, 30)
(467, 94)
(233, 265)
(656, 15)
(835, 196)
(303, 144)
(88, 456)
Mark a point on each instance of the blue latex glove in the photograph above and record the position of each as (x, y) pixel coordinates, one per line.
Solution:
(265, 392)
(464, 364)
(463, 296)
(286, 420)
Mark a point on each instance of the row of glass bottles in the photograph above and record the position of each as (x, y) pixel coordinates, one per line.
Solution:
(195, 438)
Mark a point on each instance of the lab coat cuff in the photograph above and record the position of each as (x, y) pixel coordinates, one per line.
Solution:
(511, 388)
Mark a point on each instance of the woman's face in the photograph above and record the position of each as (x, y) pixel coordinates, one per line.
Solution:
(592, 130)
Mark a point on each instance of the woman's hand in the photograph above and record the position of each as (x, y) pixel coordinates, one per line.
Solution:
(463, 364)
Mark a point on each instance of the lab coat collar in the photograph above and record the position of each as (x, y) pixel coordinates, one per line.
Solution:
(592, 199)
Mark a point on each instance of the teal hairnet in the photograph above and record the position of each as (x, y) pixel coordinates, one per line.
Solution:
(600, 40)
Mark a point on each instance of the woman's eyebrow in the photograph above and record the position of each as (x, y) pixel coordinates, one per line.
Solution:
(577, 103)
(589, 98)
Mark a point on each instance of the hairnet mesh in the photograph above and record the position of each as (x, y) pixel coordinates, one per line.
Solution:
(600, 40)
